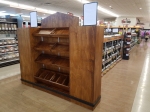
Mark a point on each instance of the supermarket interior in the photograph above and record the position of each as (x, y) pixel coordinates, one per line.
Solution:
(74, 55)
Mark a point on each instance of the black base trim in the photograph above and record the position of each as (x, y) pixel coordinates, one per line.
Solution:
(66, 95)
(9, 63)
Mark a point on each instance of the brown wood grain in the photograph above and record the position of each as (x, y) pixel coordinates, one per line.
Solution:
(83, 72)
(27, 53)
(85, 52)
(60, 20)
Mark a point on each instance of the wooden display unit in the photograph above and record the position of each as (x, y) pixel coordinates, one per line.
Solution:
(64, 60)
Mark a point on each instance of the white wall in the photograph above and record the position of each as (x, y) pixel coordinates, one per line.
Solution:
(119, 21)
(146, 26)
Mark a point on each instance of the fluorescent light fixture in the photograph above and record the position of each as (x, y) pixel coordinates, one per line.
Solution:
(51, 12)
(25, 16)
(26, 7)
(83, 1)
(8, 3)
(41, 10)
(100, 8)
(2, 11)
(107, 12)
(45, 11)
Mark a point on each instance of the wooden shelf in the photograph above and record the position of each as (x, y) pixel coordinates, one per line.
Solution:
(113, 38)
(52, 32)
(58, 49)
(54, 62)
(52, 78)
(43, 46)
(50, 35)
(61, 49)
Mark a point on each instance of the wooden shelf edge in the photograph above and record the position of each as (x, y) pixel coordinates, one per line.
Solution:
(50, 35)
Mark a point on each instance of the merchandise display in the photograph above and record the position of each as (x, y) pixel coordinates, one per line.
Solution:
(63, 60)
(127, 45)
(111, 52)
(134, 40)
(8, 42)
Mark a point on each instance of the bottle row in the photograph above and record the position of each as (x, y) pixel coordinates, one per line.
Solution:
(8, 49)
(106, 64)
(8, 26)
(9, 56)
(8, 32)
(8, 42)
(111, 54)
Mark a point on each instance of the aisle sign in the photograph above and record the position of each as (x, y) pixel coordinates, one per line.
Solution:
(90, 13)
(33, 19)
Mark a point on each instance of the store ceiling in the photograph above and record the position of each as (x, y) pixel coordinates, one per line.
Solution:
(124, 8)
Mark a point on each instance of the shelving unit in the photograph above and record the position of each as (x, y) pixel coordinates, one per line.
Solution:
(127, 46)
(112, 50)
(8, 42)
(134, 40)
(62, 60)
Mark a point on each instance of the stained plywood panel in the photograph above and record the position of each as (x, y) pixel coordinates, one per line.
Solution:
(27, 53)
(98, 62)
(82, 62)
(60, 20)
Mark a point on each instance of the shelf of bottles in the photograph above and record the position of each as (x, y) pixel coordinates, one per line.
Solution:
(127, 45)
(9, 54)
(134, 40)
(111, 53)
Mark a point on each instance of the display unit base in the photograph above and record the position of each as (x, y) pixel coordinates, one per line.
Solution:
(9, 63)
(63, 95)
(126, 57)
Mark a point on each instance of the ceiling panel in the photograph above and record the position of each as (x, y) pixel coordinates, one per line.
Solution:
(124, 8)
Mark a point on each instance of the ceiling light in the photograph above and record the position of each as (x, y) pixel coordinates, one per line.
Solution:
(83, 1)
(108, 12)
(2, 11)
(140, 8)
(51, 12)
(9, 3)
(41, 10)
(109, 6)
(45, 11)
(26, 7)
(25, 16)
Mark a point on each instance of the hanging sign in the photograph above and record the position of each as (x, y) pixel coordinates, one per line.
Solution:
(90, 13)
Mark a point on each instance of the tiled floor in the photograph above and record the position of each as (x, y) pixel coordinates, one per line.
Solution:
(142, 98)
(119, 88)
(12, 70)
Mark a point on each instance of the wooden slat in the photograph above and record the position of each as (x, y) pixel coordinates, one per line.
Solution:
(83, 61)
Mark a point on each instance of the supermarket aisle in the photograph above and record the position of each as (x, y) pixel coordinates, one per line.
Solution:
(9, 71)
(142, 98)
(119, 87)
